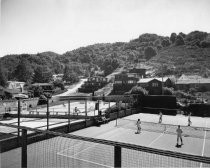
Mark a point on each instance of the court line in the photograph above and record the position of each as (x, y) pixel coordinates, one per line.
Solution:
(158, 137)
(204, 143)
(85, 160)
(73, 156)
(85, 142)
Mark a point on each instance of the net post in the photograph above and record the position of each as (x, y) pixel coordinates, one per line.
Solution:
(19, 120)
(47, 114)
(69, 115)
(24, 149)
(117, 156)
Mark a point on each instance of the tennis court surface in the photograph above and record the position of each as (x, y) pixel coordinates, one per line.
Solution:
(155, 146)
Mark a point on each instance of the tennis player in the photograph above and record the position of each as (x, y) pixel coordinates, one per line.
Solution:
(160, 117)
(179, 135)
(138, 123)
(189, 119)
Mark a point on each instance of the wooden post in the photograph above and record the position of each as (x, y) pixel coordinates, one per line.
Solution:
(86, 112)
(98, 106)
(69, 115)
(117, 156)
(24, 148)
(47, 114)
(19, 119)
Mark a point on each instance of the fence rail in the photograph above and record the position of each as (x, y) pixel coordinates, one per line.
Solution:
(119, 147)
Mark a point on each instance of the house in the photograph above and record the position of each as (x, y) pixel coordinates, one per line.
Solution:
(154, 85)
(93, 84)
(15, 85)
(57, 77)
(13, 88)
(124, 82)
(138, 72)
(185, 82)
(8, 93)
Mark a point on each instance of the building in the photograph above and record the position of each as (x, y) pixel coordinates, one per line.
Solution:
(13, 88)
(138, 72)
(57, 77)
(185, 82)
(93, 84)
(154, 85)
(15, 85)
(124, 82)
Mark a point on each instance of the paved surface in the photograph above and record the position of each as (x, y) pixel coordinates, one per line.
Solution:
(64, 152)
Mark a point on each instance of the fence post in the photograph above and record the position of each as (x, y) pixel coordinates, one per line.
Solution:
(24, 148)
(69, 115)
(19, 120)
(47, 114)
(86, 113)
(117, 156)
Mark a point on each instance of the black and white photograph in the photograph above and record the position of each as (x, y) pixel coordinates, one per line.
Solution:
(104, 83)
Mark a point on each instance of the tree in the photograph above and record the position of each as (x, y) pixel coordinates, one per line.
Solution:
(165, 43)
(3, 79)
(196, 35)
(182, 34)
(168, 91)
(205, 44)
(108, 70)
(173, 37)
(139, 90)
(157, 42)
(69, 75)
(59, 83)
(42, 75)
(179, 40)
(23, 71)
(149, 52)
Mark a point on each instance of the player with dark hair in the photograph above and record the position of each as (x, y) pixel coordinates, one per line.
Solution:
(138, 123)
(160, 117)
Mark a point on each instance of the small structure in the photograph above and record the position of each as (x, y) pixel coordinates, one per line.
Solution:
(154, 85)
(93, 84)
(185, 82)
(15, 85)
(57, 77)
(138, 72)
(124, 82)
(13, 88)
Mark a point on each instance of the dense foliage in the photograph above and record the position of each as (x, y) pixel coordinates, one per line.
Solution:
(3, 80)
(179, 53)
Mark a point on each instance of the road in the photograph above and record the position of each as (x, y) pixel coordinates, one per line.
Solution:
(72, 89)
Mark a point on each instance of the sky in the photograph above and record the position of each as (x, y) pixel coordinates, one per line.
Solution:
(32, 26)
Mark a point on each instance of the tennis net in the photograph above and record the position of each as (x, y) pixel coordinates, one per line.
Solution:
(188, 131)
(67, 150)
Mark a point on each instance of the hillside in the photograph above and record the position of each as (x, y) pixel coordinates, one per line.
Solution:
(182, 59)
(177, 54)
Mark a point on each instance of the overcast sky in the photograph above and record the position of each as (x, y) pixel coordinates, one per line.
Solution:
(31, 26)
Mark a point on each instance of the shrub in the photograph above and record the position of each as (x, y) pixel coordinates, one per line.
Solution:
(205, 44)
(168, 91)
(149, 52)
(179, 40)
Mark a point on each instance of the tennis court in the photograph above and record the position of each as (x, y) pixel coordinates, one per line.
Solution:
(65, 152)
(62, 109)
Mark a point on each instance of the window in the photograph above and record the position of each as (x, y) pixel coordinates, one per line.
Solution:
(118, 82)
(130, 81)
(154, 84)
